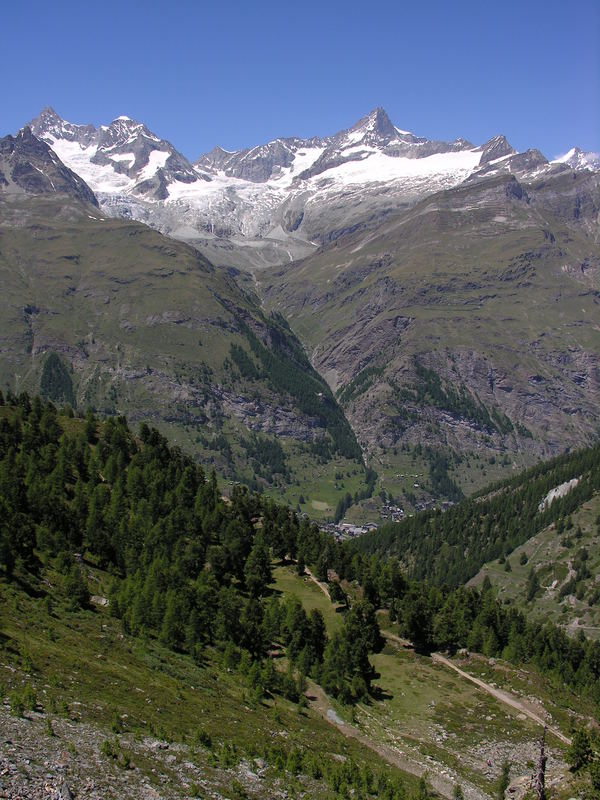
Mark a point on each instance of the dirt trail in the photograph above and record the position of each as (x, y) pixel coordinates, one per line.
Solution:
(502, 696)
(322, 586)
(319, 702)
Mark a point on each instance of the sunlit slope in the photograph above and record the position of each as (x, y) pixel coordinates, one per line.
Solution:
(146, 326)
(470, 321)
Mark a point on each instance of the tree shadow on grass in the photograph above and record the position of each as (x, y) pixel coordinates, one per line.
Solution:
(378, 693)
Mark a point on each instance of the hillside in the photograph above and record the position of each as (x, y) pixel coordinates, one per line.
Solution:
(154, 628)
(110, 715)
(466, 324)
(555, 574)
(111, 314)
(449, 548)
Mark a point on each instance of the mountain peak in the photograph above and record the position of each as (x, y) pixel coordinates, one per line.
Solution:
(49, 115)
(376, 122)
(124, 123)
(497, 147)
(28, 165)
(46, 120)
(125, 120)
(577, 159)
(25, 135)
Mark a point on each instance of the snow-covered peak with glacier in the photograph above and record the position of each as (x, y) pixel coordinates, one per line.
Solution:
(578, 159)
(276, 201)
(123, 157)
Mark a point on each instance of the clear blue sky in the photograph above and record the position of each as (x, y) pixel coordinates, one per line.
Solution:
(238, 74)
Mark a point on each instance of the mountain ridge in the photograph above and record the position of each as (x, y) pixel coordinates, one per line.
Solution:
(275, 202)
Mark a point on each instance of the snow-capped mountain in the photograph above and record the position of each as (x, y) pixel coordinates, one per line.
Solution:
(577, 159)
(278, 201)
(121, 158)
(29, 166)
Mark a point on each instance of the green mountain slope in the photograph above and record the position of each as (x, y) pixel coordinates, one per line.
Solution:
(111, 314)
(449, 548)
(555, 575)
(467, 323)
(112, 715)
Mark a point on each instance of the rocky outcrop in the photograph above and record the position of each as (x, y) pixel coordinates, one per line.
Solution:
(29, 166)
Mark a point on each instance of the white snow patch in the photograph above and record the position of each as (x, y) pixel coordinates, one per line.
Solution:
(124, 157)
(379, 168)
(100, 177)
(355, 136)
(156, 161)
(303, 159)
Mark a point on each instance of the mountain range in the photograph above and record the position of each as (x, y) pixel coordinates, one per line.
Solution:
(110, 313)
(279, 201)
(447, 294)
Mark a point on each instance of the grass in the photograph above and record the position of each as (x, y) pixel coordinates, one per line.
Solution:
(310, 595)
(551, 555)
(431, 715)
(320, 485)
(84, 670)
(430, 711)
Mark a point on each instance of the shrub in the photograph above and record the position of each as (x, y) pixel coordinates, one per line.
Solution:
(17, 707)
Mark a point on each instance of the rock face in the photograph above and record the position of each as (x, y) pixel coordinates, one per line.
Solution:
(496, 148)
(29, 166)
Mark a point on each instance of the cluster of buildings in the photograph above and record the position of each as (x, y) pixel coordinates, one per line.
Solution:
(345, 530)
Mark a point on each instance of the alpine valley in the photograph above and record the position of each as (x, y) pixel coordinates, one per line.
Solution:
(358, 327)
(366, 302)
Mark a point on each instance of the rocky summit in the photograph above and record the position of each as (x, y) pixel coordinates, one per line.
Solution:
(29, 166)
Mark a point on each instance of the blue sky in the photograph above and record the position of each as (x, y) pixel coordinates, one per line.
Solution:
(239, 74)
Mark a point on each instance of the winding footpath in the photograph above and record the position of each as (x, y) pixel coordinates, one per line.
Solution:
(499, 694)
(319, 702)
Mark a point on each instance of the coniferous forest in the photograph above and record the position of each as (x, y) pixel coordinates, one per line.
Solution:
(193, 568)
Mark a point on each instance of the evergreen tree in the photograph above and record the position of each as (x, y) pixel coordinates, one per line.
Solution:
(579, 753)
(257, 571)
(76, 588)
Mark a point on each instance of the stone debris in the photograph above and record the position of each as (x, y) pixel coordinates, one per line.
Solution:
(69, 765)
